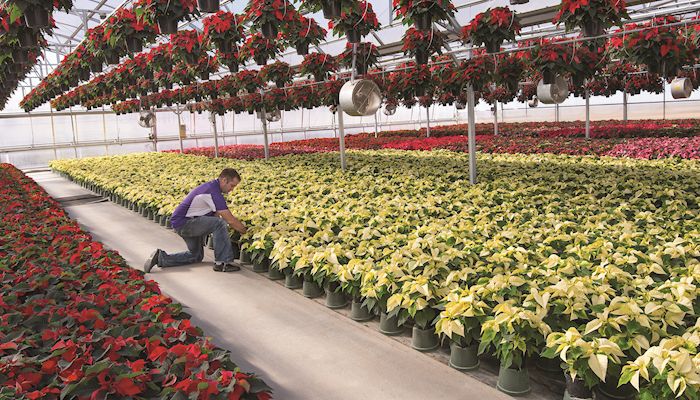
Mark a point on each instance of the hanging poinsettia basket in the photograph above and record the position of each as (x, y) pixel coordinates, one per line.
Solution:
(186, 46)
(258, 48)
(367, 56)
(318, 65)
(124, 31)
(593, 17)
(230, 60)
(224, 30)
(249, 81)
(423, 13)
(166, 13)
(491, 28)
(508, 71)
(280, 73)
(268, 16)
(552, 58)
(422, 44)
(305, 32)
(355, 22)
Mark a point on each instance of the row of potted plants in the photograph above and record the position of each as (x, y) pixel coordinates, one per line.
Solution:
(78, 322)
(443, 259)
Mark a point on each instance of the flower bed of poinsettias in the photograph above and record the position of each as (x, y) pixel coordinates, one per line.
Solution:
(78, 323)
(592, 260)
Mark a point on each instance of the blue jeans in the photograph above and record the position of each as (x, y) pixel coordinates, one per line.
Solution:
(194, 232)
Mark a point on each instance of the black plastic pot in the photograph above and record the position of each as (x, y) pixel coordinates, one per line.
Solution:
(208, 6)
(592, 29)
(19, 56)
(27, 38)
(353, 36)
(36, 17)
(260, 59)
(423, 21)
(112, 58)
(610, 391)
(134, 45)
(96, 66)
(493, 47)
(168, 85)
(269, 30)
(167, 25)
(204, 75)
(302, 49)
(361, 69)
(233, 67)
(84, 74)
(225, 46)
(280, 84)
(577, 388)
(420, 91)
(421, 57)
(331, 9)
(548, 76)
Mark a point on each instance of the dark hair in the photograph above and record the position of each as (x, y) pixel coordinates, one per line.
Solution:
(229, 173)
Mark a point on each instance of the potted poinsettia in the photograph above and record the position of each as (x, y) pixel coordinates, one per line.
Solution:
(249, 80)
(318, 65)
(592, 16)
(231, 60)
(491, 28)
(355, 22)
(422, 44)
(37, 13)
(586, 61)
(415, 80)
(331, 8)
(16, 26)
(259, 49)
(552, 58)
(167, 13)
(367, 56)
(186, 46)
(460, 321)
(224, 30)
(659, 46)
(424, 12)
(305, 95)
(304, 32)
(206, 66)
(267, 16)
(508, 71)
(329, 92)
(278, 72)
(124, 29)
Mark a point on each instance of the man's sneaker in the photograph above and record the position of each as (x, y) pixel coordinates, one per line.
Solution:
(228, 267)
(151, 261)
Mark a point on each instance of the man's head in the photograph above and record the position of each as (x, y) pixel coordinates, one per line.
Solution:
(228, 179)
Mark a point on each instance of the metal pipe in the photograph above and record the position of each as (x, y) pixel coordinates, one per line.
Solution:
(588, 114)
(495, 118)
(624, 105)
(212, 118)
(427, 121)
(263, 118)
(341, 128)
(471, 135)
(179, 128)
(376, 126)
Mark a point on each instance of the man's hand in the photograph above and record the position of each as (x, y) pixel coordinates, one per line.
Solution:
(232, 221)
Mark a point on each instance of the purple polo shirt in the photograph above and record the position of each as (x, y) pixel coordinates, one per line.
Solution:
(205, 199)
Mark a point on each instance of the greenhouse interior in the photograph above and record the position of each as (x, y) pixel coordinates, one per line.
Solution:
(350, 199)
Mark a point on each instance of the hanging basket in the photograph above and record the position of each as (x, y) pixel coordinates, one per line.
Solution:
(269, 30)
(302, 49)
(27, 38)
(548, 76)
(331, 9)
(96, 66)
(208, 6)
(421, 57)
(493, 47)
(84, 74)
(233, 67)
(134, 45)
(224, 46)
(353, 36)
(260, 59)
(592, 29)
(20, 56)
(36, 17)
(423, 21)
(167, 25)
(112, 58)
(204, 75)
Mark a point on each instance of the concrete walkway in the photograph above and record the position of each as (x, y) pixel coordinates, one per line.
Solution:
(299, 347)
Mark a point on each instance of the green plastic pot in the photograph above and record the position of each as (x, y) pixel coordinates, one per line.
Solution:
(156, 219)
(576, 389)
(292, 281)
(163, 220)
(334, 297)
(262, 266)
(311, 289)
(275, 274)
(358, 312)
(389, 325)
(464, 358)
(167, 223)
(515, 382)
(245, 256)
(151, 214)
(424, 339)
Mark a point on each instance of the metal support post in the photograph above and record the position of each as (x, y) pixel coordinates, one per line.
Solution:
(471, 134)
(154, 130)
(179, 128)
(624, 106)
(664, 99)
(588, 114)
(341, 129)
(427, 121)
(212, 118)
(104, 130)
(376, 126)
(495, 118)
(263, 119)
(556, 112)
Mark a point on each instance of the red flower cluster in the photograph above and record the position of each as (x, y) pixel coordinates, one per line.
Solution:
(77, 322)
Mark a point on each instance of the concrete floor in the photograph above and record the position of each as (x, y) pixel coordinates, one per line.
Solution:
(302, 349)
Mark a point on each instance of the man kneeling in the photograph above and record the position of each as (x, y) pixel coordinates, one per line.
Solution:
(203, 212)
